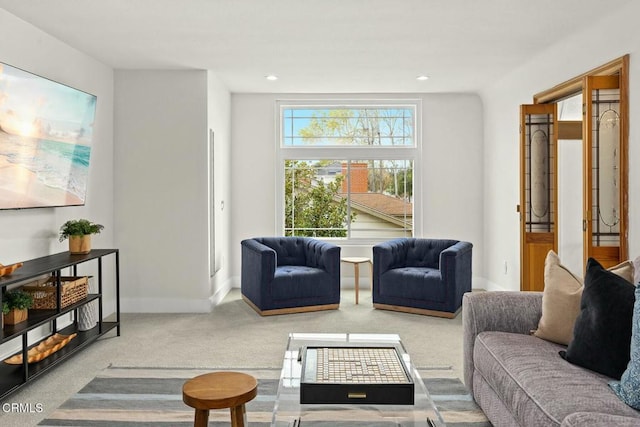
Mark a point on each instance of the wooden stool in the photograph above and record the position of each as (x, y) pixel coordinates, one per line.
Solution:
(219, 390)
(356, 261)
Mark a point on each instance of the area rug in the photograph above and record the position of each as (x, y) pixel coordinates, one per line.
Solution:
(152, 397)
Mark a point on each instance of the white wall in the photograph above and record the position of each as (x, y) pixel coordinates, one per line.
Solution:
(26, 234)
(566, 59)
(161, 133)
(32, 233)
(470, 161)
(219, 117)
(452, 169)
(160, 176)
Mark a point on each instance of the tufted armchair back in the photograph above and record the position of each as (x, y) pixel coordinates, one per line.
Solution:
(289, 250)
(425, 252)
(416, 252)
(298, 251)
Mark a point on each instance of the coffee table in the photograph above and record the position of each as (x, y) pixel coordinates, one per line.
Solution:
(289, 412)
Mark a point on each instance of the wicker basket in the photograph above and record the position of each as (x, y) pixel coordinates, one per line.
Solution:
(73, 289)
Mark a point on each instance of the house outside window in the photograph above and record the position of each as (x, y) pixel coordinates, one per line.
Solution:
(348, 171)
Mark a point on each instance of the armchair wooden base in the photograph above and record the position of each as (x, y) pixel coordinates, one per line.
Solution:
(413, 310)
(290, 310)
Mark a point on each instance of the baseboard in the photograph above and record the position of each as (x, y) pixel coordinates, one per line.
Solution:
(165, 305)
(222, 292)
(176, 305)
(492, 286)
(235, 282)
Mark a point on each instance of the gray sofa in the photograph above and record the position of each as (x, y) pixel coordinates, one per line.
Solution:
(520, 380)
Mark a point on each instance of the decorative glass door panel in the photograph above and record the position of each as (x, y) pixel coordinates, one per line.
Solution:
(604, 132)
(538, 191)
(604, 224)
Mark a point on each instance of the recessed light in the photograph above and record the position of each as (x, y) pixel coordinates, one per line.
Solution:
(271, 77)
(422, 77)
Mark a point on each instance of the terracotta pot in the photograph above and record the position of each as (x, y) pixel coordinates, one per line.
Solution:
(16, 316)
(80, 244)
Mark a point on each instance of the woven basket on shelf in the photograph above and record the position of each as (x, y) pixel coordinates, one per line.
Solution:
(73, 289)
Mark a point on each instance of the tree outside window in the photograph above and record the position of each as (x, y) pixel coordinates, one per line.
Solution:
(313, 207)
(363, 188)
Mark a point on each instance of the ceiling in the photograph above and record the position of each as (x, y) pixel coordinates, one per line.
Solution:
(317, 46)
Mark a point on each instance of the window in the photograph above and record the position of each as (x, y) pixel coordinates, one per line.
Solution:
(348, 171)
(365, 126)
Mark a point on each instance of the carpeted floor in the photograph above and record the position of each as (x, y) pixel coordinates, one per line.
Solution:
(231, 335)
(146, 397)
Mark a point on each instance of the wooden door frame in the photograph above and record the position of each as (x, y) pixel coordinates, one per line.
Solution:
(619, 66)
(575, 85)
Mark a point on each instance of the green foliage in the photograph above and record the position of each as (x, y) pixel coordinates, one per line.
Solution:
(79, 227)
(313, 208)
(16, 299)
(372, 127)
(333, 123)
(392, 177)
(364, 126)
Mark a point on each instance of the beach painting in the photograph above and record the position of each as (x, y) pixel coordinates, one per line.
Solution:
(46, 129)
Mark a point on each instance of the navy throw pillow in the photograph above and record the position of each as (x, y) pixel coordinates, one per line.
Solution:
(602, 333)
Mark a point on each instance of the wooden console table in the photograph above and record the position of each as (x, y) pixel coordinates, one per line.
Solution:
(12, 377)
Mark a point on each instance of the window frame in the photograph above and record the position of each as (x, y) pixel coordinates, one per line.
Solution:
(349, 153)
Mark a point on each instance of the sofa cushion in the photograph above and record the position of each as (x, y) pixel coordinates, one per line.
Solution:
(417, 283)
(602, 333)
(491, 403)
(596, 419)
(628, 389)
(298, 281)
(537, 386)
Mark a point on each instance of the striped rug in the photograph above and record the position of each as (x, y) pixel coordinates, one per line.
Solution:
(152, 397)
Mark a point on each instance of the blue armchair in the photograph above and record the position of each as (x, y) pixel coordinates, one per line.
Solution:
(290, 274)
(422, 276)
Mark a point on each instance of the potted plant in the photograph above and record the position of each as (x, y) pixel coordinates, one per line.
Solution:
(79, 232)
(15, 306)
